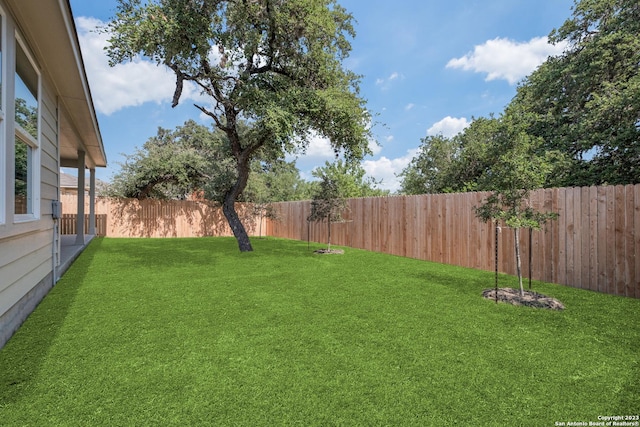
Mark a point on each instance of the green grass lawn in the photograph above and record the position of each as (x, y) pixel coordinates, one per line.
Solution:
(192, 332)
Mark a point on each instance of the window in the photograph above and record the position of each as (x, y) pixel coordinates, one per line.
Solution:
(23, 177)
(27, 81)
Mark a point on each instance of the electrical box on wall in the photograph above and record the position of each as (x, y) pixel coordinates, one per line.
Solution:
(56, 209)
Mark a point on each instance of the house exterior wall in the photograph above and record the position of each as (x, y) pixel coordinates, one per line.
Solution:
(26, 245)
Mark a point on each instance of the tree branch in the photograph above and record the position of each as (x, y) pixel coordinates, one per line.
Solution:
(179, 84)
(215, 118)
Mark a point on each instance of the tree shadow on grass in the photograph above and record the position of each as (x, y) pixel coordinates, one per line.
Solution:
(22, 357)
(458, 279)
(160, 254)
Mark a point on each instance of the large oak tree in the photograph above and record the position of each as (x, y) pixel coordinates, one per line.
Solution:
(274, 63)
(586, 102)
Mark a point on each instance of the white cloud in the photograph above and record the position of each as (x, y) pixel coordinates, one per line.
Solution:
(409, 106)
(449, 126)
(319, 151)
(320, 147)
(385, 82)
(375, 147)
(386, 169)
(125, 85)
(506, 59)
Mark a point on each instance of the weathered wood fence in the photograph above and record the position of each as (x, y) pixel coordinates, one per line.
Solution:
(594, 244)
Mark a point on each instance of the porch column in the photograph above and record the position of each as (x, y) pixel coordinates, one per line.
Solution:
(80, 218)
(92, 202)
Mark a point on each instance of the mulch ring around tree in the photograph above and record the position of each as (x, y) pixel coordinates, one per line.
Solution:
(329, 251)
(529, 299)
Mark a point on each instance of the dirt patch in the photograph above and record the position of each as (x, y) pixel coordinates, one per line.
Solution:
(329, 251)
(530, 298)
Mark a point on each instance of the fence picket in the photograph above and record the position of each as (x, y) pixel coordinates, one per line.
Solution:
(603, 271)
(629, 249)
(620, 261)
(593, 238)
(585, 277)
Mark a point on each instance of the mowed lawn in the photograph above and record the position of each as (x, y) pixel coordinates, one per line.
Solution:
(193, 332)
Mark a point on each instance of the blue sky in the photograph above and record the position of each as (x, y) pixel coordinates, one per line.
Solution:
(428, 67)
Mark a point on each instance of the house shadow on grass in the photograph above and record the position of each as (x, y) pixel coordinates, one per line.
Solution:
(22, 357)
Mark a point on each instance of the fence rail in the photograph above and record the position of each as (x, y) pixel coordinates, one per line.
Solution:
(594, 244)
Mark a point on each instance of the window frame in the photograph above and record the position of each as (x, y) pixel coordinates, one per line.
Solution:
(33, 142)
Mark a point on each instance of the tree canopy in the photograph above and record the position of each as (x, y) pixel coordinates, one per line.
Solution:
(193, 160)
(172, 164)
(452, 164)
(586, 102)
(274, 63)
(349, 178)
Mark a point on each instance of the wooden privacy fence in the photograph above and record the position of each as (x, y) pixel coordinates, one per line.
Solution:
(68, 224)
(594, 244)
(157, 218)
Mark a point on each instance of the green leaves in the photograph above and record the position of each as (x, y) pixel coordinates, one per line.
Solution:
(328, 202)
(173, 164)
(453, 164)
(193, 158)
(586, 102)
(349, 179)
(583, 107)
(278, 63)
(519, 168)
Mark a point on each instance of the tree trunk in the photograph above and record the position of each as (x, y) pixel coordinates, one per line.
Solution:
(518, 264)
(240, 233)
(228, 206)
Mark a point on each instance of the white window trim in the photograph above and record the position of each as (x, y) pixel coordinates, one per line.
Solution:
(34, 143)
(4, 147)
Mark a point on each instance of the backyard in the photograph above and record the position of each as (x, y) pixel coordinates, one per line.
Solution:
(193, 332)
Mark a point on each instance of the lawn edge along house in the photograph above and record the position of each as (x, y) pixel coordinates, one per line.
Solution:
(47, 121)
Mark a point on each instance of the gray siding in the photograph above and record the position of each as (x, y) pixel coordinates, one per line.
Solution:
(26, 249)
(49, 163)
